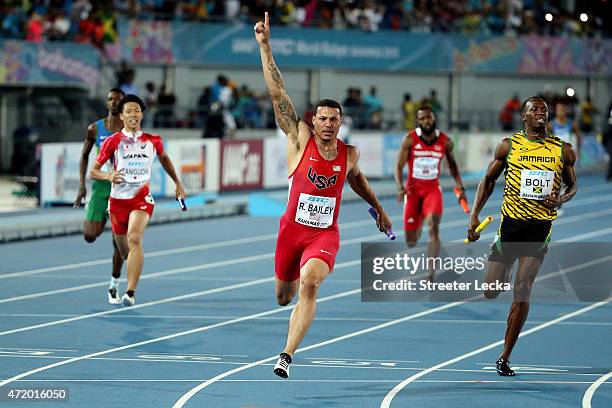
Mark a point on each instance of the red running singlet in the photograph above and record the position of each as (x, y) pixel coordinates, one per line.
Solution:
(423, 194)
(424, 159)
(309, 226)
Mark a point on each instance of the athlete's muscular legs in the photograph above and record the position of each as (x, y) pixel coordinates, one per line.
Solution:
(117, 259)
(412, 237)
(285, 291)
(413, 218)
(312, 274)
(137, 224)
(433, 248)
(122, 245)
(92, 230)
(497, 272)
(527, 271)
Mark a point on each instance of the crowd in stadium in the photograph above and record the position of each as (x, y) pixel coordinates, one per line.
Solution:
(95, 20)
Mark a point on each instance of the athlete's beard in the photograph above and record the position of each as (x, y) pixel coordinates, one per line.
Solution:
(428, 130)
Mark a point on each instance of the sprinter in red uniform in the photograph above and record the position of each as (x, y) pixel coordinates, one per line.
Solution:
(318, 164)
(130, 203)
(423, 150)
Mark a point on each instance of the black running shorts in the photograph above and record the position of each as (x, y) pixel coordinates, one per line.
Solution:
(520, 238)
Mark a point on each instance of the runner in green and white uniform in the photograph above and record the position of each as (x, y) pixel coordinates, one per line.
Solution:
(96, 210)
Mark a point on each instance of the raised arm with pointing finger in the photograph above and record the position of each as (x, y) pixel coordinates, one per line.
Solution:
(297, 131)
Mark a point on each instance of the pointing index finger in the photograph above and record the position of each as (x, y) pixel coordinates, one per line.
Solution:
(266, 20)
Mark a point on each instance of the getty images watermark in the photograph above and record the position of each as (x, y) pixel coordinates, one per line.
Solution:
(570, 272)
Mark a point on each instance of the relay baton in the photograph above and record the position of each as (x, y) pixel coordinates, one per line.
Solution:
(479, 228)
(181, 202)
(463, 203)
(388, 232)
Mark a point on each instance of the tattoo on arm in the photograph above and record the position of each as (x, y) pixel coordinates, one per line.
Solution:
(284, 111)
(283, 108)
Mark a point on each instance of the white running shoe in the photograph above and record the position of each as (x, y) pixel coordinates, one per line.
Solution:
(281, 368)
(128, 300)
(113, 296)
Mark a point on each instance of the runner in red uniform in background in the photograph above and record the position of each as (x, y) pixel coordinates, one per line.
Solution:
(318, 164)
(423, 150)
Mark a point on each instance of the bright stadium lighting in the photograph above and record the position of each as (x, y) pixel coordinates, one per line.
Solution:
(584, 17)
(548, 17)
(570, 92)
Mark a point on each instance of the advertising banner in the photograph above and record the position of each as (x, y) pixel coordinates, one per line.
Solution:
(23, 62)
(241, 165)
(197, 164)
(311, 48)
(275, 161)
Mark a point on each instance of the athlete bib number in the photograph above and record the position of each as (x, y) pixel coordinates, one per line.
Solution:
(536, 184)
(315, 211)
(425, 168)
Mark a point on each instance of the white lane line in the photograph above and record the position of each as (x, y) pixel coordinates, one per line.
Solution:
(175, 335)
(32, 349)
(138, 306)
(182, 250)
(265, 237)
(589, 235)
(588, 395)
(386, 403)
(189, 394)
(105, 261)
(541, 365)
(127, 380)
(357, 240)
(172, 272)
(319, 318)
(382, 365)
(201, 267)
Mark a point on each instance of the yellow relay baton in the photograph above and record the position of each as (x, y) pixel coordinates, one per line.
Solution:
(479, 228)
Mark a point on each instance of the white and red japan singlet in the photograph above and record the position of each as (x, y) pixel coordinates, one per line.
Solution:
(133, 156)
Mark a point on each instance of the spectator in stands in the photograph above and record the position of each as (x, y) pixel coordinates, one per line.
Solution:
(96, 19)
(373, 109)
(203, 107)
(57, 25)
(150, 99)
(353, 107)
(129, 88)
(166, 101)
(587, 111)
(213, 123)
(223, 94)
(512, 107)
(121, 73)
(433, 101)
(246, 110)
(35, 28)
(13, 20)
(91, 31)
(409, 111)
